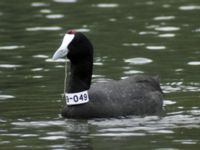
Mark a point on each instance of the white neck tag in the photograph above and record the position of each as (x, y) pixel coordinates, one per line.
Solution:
(77, 98)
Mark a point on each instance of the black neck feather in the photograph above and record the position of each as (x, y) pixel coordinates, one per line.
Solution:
(80, 76)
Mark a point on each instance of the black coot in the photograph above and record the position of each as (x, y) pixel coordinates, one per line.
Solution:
(136, 95)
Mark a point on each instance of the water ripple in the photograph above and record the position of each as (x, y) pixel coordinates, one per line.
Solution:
(167, 35)
(36, 124)
(4, 97)
(138, 61)
(186, 141)
(45, 11)
(106, 5)
(55, 16)
(37, 69)
(133, 72)
(189, 7)
(133, 44)
(82, 30)
(11, 47)
(37, 77)
(155, 47)
(148, 32)
(98, 63)
(177, 86)
(194, 63)
(141, 126)
(65, 1)
(112, 19)
(9, 66)
(57, 60)
(39, 4)
(169, 28)
(196, 30)
(164, 18)
(55, 28)
(40, 56)
(52, 138)
(118, 134)
(168, 102)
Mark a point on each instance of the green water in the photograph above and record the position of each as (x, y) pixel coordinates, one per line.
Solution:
(131, 36)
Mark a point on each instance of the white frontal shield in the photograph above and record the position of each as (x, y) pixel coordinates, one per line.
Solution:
(63, 50)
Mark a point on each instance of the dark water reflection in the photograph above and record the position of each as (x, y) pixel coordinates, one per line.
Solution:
(152, 37)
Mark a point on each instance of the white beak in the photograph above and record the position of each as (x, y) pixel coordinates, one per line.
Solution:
(63, 50)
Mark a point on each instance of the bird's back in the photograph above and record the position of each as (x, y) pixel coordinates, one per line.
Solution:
(136, 95)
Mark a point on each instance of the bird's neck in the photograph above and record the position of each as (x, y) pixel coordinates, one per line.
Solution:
(80, 76)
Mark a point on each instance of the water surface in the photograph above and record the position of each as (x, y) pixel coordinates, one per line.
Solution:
(132, 37)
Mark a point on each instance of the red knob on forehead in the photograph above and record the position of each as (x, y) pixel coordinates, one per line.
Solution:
(71, 31)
